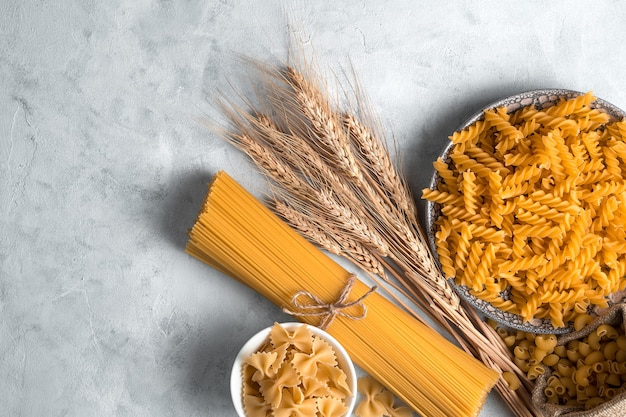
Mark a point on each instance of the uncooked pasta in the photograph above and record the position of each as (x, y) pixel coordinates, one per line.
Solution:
(546, 191)
(294, 373)
(238, 235)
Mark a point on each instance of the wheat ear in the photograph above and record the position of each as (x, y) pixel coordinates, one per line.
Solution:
(342, 202)
(283, 174)
(317, 234)
(326, 126)
(377, 159)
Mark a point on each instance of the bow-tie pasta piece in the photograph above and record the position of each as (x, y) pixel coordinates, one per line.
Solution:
(331, 407)
(370, 405)
(272, 388)
(306, 364)
(264, 363)
(294, 404)
(301, 338)
(250, 386)
(313, 387)
(281, 356)
(255, 406)
(400, 412)
(335, 378)
(378, 401)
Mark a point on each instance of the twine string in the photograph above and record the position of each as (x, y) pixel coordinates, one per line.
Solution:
(328, 311)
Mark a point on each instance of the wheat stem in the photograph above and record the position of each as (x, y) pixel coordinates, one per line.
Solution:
(338, 187)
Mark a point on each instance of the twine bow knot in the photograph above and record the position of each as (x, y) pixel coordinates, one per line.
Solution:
(328, 311)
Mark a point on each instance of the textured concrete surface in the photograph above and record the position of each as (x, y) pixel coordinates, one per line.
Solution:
(102, 167)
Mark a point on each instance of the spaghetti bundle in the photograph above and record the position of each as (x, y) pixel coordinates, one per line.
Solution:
(238, 235)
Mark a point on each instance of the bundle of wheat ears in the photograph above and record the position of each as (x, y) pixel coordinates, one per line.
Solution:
(335, 182)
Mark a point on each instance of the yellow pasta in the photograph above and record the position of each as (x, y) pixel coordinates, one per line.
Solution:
(551, 360)
(552, 196)
(511, 379)
(470, 194)
(378, 401)
(534, 371)
(583, 373)
(294, 374)
(604, 330)
(238, 235)
(546, 342)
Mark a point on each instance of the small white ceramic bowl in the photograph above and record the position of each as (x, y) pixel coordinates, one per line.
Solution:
(259, 339)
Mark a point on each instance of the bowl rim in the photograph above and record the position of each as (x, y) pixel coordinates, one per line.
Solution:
(256, 341)
(541, 98)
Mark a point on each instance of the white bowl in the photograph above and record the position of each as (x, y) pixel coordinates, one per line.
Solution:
(259, 339)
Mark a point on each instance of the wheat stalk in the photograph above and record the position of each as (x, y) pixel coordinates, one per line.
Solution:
(306, 227)
(366, 191)
(317, 234)
(358, 206)
(329, 203)
(377, 161)
(376, 158)
(324, 123)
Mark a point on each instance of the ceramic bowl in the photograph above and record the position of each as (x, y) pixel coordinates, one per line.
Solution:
(258, 340)
(540, 99)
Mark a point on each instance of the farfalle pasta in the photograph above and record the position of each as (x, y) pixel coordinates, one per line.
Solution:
(377, 401)
(296, 374)
(544, 189)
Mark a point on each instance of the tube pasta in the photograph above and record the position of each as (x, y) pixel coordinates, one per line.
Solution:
(549, 187)
(584, 373)
(511, 379)
(547, 342)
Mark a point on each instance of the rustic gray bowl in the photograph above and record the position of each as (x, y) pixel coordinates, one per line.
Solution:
(540, 99)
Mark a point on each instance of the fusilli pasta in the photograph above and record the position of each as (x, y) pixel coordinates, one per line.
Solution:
(535, 201)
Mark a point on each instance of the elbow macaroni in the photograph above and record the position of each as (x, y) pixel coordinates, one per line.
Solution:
(584, 372)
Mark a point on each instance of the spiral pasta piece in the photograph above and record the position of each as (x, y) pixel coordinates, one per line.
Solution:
(523, 175)
(594, 116)
(462, 247)
(473, 261)
(620, 149)
(500, 122)
(574, 240)
(612, 163)
(487, 159)
(592, 143)
(603, 189)
(466, 163)
(566, 107)
(470, 134)
(446, 174)
(565, 125)
(617, 130)
(606, 215)
(447, 264)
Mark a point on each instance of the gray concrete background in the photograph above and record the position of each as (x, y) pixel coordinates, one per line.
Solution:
(103, 167)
